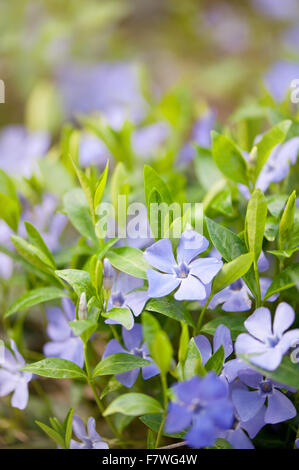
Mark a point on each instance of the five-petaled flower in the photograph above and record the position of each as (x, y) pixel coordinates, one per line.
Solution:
(266, 345)
(133, 343)
(12, 379)
(187, 274)
(202, 406)
(90, 439)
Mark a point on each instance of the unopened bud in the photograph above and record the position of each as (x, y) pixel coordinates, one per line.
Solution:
(108, 274)
(82, 310)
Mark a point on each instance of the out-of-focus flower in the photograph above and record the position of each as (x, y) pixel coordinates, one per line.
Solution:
(148, 140)
(64, 343)
(12, 379)
(112, 89)
(201, 135)
(108, 274)
(282, 10)
(297, 443)
(92, 151)
(249, 402)
(236, 297)
(188, 274)
(222, 337)
(133, 343)
(267, 342)
(6, 263)
(20, 149)
(278, 79)
(90, 439)
(124, 295)
(202, 405)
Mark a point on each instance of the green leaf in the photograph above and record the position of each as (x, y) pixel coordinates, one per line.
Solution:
(77, 210)
(276, 203)
(100, 188)
(171, 308)
(36, 239)
(35, 297)
(193, 364)
(78, 279)
(151, 328)
(222, 444)
(118, 363)
(153, 421)
(230, 246)
(285, 280)
(287, 221)
(83, 328)
(287, 372)
(55, 368)
(232, 271)
(275, 136)
(161, 351)
(112, 386)
(133, 404)
(234, 324)
(86, 185)
(228, 158)
(32, 254)
(54, 435)
(215, 362)
(152, 181)
(128, 260)
(9, 203)
(68, 422)
(255, 222)
(120, 315)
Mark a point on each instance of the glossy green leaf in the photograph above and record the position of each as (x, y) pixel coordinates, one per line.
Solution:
(228, 158)
(232, 271)
(35, 297)
(134, 404)
(118, 363)
(55, 368)
(285, 280)
(287, 221)
(255, 222)
(77, 210)
(36, 239)
(128, 260)
(215, 362)
(120, 315)
(170, 308)
(78, 279)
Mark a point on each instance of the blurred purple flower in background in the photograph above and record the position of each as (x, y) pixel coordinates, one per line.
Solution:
(203, 405)
(278, 79)
(112, 89)
(20, 149)
(64, 343)
(90, 439)
(6, 263)
(92, 151)
(148, 140)
(280, 9)
(133, 343)
(267, 342)
(201, 135)
(249, 402)
(124, 295)
(189, 274)
(222, 337)
(12, 379)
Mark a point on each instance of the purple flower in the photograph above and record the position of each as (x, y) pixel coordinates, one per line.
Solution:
(19, 149)
(297, 443)
(64, 343)
(201, 135)
(12, 379)
(124, 295)
(112, 89)
(278, 79)
(236, 297)
(222, 337)
(202, 405)
(267, 342)
(188, 274)
(249, 402)
(89, 440)
(6, 263)
(133, 343)
(286, 9)
(148, 140)
(92, 151)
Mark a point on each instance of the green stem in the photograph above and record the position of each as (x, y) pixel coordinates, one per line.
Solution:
(95, 393)
(257, 279)
(199, 323)
(165, 399)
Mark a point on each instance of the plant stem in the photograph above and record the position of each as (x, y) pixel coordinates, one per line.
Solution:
(203, 312)
(257, 279)
(165, 399)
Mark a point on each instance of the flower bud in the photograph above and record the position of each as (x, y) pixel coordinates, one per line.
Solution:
(108, 275)
(82, 309)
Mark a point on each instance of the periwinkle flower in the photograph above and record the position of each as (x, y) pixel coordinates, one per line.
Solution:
(148, 140)
(282, 10)
(20, 149)
(297, 443)
(202, 406)
(249, 402)
(123, 295)
(200, 135)
(133, 343)
(64, 343)
(222, 337)
(266, 344)
(108, 274)
(92, 151)
(278, 79)
(90, 439)
(187, 274)
(12, 379)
